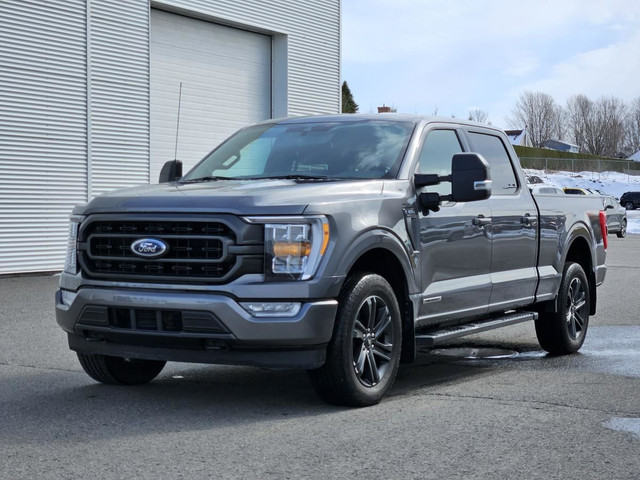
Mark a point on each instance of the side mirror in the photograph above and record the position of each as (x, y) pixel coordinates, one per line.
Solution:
(609, 207)
(470, 178)
(470, 181)
(171, 171)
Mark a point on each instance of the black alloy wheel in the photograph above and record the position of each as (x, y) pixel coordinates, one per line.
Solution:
(364, 352)
(577, 310)
(563, 330)
(372, 341)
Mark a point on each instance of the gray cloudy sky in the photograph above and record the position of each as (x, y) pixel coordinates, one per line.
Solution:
(453, 56)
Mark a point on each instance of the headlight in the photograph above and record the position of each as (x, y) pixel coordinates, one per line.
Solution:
(293, 246)
(71, 262)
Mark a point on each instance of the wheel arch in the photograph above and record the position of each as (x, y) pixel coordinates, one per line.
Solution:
(383, 255)
(580, 252)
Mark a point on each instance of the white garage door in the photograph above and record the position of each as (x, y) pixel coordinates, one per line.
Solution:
(226, 84)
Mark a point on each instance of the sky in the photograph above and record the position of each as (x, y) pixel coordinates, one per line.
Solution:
(449, 57)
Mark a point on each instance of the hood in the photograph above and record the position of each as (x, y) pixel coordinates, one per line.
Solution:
(240, 197)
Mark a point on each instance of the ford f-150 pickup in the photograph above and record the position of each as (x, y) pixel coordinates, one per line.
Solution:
(334, 244)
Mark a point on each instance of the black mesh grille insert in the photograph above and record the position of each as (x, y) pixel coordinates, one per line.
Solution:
(195, 251)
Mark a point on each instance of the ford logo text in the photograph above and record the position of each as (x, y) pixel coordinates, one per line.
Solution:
(149, 248)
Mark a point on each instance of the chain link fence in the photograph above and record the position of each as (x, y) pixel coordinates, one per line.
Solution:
(628, 167)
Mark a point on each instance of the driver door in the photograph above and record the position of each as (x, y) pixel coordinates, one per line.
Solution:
(455, 242)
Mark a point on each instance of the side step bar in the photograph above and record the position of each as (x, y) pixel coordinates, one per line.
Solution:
(435, 337)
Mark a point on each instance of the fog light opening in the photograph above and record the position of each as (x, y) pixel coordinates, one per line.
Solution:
(272, 309)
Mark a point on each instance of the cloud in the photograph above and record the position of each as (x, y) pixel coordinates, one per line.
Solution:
(383, 30)
(522, 66)
(609, 70)
(421, 54)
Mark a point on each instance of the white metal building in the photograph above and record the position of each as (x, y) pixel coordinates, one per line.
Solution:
(89, 95)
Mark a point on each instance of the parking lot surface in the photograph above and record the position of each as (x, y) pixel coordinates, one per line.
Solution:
(487, 406)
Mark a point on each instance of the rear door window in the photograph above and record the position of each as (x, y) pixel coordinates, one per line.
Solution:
(494, 151)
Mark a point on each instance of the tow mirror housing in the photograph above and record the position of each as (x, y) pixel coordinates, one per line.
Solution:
(470, 178)
(171, 171)
(470, 181)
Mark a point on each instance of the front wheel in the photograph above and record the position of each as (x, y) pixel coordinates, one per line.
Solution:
(564, 330)
(623, 229)
(364, 352)
(629, 206)
(120, 371)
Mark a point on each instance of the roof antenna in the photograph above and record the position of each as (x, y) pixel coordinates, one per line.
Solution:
(172, 170)
(175, 155)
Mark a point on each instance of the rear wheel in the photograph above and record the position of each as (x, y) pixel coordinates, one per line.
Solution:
(623, 229)
(564, 330)
(364, 352)
(629, 206)
(120, 371)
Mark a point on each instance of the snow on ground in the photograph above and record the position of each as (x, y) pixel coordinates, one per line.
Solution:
(633, 221)
(608, 183)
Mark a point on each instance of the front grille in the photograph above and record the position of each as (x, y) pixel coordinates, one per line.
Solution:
(197, 250)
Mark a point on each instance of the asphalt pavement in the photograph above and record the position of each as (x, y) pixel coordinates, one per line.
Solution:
(485, 407)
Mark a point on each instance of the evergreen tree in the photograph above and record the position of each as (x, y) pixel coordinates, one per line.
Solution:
(349, 105)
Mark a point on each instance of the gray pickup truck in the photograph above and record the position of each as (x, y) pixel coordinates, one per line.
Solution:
(335, 244)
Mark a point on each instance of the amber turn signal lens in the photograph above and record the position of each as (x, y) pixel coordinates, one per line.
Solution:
(325, 238)
(284, 249)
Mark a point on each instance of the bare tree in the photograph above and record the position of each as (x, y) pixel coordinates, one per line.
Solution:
(632, 127)
(611, 115)
(597, 127)
(477, 115)
(578, 112)
(560, 130)
(539, 113)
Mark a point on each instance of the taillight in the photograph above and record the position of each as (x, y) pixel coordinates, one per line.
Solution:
(603, 228)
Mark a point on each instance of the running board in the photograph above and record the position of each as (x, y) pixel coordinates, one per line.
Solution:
(449, 333)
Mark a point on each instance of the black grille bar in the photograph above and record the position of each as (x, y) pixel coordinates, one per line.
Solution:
(198, 250)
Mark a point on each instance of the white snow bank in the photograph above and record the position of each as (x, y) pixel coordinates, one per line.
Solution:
(633, 221)
(609, 183)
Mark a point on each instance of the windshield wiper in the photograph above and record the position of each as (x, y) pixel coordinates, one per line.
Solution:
(295, 176)
(206, 179)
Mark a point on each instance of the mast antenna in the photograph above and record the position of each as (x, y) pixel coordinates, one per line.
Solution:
(175, 155)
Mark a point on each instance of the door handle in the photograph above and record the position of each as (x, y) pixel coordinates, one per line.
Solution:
(526, 220)
(481, 221)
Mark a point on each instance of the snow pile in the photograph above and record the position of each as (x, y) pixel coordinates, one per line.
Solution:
(633, 221)
(608, 183)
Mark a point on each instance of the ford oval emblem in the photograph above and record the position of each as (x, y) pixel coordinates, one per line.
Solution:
(149, 247)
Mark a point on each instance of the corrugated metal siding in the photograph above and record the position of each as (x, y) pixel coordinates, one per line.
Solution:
(226, 84)
(119, 103)
(42, 130)
(313, 29)
(47, 160)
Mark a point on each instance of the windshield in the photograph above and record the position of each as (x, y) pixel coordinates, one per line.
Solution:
(366, 149)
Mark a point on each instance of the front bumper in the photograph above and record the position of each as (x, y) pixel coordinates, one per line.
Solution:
(192, 327)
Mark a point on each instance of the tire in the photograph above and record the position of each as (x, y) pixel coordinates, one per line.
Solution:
(120, 371)
(623, 229)
(629, 206)
(563, 331)
(364, 352)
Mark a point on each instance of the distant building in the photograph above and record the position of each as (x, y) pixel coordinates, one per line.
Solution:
(635, 157)
(519, 137)
(561, 146)
(384, 109)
